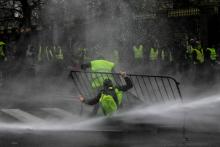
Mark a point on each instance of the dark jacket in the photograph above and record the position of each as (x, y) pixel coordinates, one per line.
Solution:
(123, 88)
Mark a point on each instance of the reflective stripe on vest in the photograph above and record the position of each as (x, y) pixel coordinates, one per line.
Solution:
(138, 52)
(213, 54)
(199, 55)
(101, 66)
(153, 54)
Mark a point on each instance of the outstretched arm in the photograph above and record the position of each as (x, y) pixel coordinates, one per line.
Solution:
(90, 101)
(128, 82)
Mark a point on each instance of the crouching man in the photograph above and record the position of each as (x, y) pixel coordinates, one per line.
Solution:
(110, 97)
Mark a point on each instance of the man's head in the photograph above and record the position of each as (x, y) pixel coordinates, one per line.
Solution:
(107, 83)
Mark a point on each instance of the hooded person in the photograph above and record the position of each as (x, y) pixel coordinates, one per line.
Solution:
(110, 97)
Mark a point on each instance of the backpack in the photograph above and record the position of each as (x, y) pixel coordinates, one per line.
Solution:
(109, 102)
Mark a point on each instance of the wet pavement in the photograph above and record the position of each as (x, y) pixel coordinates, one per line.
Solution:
(165, 138)
(51, 120)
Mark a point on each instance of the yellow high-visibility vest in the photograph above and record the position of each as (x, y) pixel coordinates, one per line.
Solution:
(138, 52)
(213, 54)
(199, 55)
(101, 66)
(153, 54)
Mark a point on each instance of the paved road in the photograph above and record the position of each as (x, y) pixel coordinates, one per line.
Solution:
(56, 127)
(49, 119)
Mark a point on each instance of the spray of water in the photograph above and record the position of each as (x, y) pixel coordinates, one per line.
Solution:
(198, 115)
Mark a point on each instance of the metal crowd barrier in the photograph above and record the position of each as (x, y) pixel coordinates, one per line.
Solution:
(146, 88)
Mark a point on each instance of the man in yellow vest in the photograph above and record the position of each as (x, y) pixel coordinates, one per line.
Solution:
(209, 65)
(198, 54)
(2, 51)
(198, 61)
(58, 53)
(164, 60)
(2, 59)
(45, 54)
(58, 60)
(99, 65)
(153, 56)
(211, 55)
(138, 53)
(163, 55)
(110, 96)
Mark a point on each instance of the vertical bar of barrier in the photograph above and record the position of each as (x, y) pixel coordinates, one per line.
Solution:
(115, 77)
(152, 89)
(178, 89)
(165, 88)
(80, 83)
(135, 88)
(87, 83)
(148, 92)
(83, 80)
(77, 87)
(158, 87)
(92, 80)
(171, 89)
(103, 78)
(140, 88)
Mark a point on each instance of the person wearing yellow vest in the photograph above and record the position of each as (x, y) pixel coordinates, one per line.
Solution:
(212, 54)
(209, 65)
(153, 58)
(2, 59)
(198, 55)
(198, 61)
(2, 51)
(166, 56)
(57, 60)
(163, 56)
(138, 53)
(154, 54)
(99, 65)
(58, 53)
(110, 97)
(44, 54)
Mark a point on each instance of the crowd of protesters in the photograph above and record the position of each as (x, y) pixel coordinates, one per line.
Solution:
(189, 60)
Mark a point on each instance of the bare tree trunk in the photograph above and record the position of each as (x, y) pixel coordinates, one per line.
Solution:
(27, 11)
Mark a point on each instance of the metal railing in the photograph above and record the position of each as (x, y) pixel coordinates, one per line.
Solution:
(146, 88)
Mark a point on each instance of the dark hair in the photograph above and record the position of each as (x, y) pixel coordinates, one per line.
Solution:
(107, 83)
